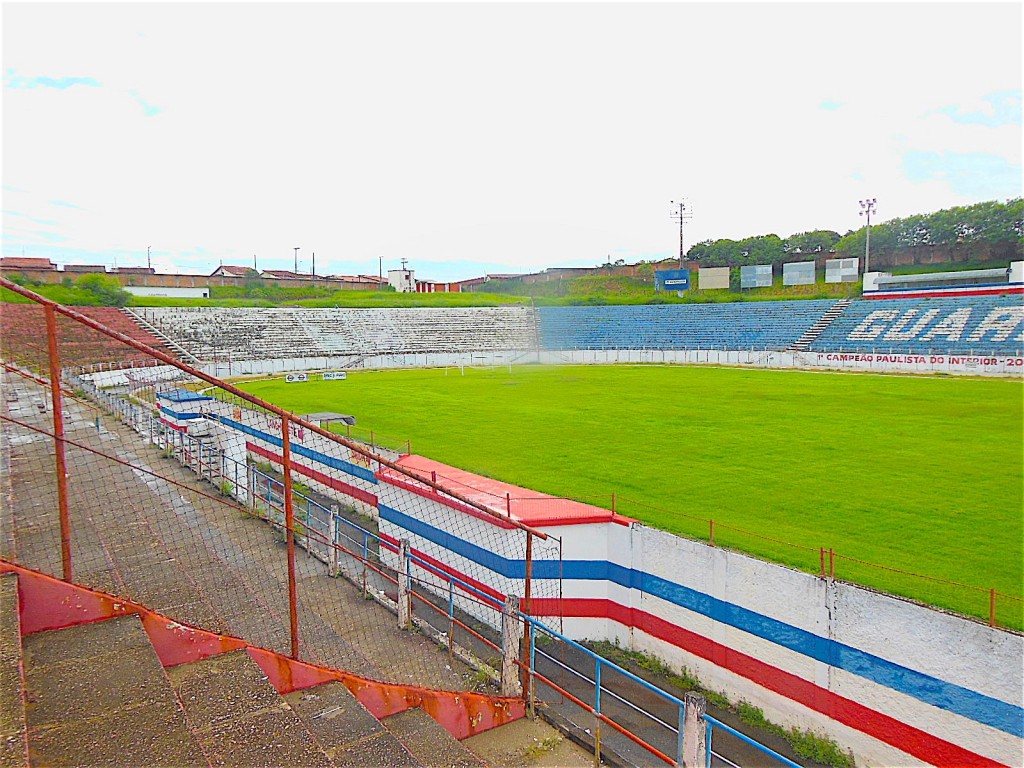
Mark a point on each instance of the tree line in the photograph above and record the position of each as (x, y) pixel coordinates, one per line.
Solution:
(991, 222)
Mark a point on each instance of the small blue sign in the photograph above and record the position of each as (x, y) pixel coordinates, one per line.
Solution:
(672, 280)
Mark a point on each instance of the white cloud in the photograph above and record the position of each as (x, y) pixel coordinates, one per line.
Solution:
(470, 134)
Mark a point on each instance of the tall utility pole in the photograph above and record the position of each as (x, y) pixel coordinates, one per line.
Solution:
(682, 213)
(866, 209)
(148, 262)
(296, 270)
(312, 270)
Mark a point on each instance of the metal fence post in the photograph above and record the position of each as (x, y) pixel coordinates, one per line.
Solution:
(289, 524)
(404, 616)
(58, 442)
(694, 731)
(511, 637)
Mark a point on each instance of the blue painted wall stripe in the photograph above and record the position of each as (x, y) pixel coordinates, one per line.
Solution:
(930, 690)
(300, 450)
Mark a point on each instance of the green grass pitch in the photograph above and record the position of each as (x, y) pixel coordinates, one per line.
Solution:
(917, 474)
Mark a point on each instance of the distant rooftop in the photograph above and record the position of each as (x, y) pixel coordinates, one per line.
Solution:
(25, 262)
(227, 270)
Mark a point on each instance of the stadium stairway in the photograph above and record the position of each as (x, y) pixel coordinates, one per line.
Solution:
(808, 337)
(88, 679)
(178, 350)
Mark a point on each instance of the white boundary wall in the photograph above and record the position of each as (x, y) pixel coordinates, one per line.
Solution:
(964, 365)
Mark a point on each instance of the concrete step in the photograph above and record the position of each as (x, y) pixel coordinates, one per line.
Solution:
(13, 745)
(98, 695)
(349, 734)
(429, 743)
(239, 718)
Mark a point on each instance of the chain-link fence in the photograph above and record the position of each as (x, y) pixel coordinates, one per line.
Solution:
(134, 473)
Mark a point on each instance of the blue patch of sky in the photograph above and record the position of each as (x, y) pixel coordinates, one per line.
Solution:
(973, 174)
(830, 105)
(1005, 110)
(147, 108)
(30, 217)
(12, 80)
(65, 204)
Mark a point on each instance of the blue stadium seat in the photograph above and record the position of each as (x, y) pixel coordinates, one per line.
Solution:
(771, 325)
(948, 325)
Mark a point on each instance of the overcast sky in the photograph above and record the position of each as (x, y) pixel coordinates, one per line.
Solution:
(476, 137)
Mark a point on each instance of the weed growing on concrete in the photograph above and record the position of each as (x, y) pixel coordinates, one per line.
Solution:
(540, 746)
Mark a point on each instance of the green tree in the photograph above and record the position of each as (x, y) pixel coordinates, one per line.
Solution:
(106, 288)
(818, 241)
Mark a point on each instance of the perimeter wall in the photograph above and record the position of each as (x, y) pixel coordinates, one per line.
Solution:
(964, 365)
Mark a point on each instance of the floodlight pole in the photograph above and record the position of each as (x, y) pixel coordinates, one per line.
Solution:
(296, 270)
(866, 208)
(682, 214)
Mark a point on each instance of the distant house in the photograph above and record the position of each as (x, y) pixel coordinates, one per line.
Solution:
(91, 269)
(360, 279)
(225, 270)
(429, 286)
(134, 270)
(285, 274)
(24, 262)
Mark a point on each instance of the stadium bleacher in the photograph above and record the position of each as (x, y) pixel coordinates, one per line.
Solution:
(771, 325)
(258, 334)
(23, 337)
(954, 325)
(960, 325)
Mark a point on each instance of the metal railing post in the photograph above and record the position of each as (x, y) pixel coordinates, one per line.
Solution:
(404, 616)
(532, 700)
(334, 566)
(451, 613)
(679, 734)
(58, 442)
(597, 711)
(366, 557)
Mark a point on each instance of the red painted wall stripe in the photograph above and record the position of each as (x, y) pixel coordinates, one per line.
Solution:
(331, 482)
(906, 738)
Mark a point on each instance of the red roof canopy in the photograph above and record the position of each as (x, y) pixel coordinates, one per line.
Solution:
(527, 506)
